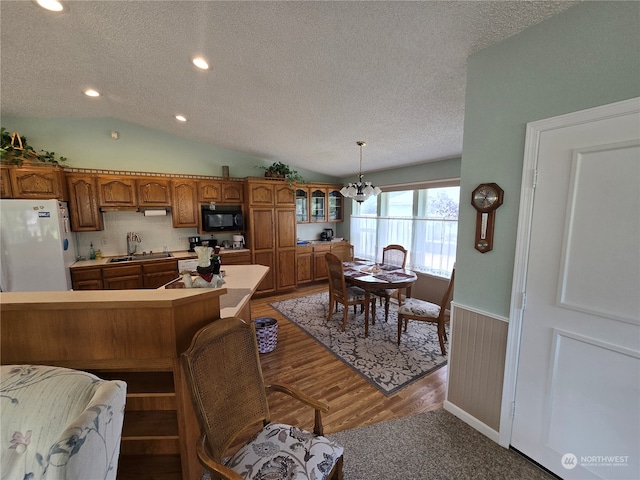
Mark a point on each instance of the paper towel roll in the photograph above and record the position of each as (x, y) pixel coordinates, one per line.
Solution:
(155, 213)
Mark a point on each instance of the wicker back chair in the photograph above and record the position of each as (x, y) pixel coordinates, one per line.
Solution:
(391, 255)
(222, 369)
(339, 292)
(415, 309)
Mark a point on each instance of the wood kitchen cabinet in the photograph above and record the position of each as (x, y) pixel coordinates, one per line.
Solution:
(123, 277)
(209, 191)
(83, 203)
(220, 191)
(42, 182)
(242, 257)
(335, 210)
(304, 264)
(116, 191)
(185, 211)
(232, 192)
(157, 273)
(311, 263)
(87, 278)
(271, 232)
(153, 192)
(319, 262)
(319, 203)
(5, 182)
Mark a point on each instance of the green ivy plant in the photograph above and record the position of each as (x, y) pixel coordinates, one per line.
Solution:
(279, 169)
(12, 152)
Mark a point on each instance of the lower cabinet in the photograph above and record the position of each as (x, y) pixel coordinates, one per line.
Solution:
(236, 258)
(304, 264)
(86, 278)
(319, 262)
(122, 277)
(156, 274)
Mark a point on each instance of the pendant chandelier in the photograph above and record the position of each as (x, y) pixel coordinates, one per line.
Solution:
(362, 190)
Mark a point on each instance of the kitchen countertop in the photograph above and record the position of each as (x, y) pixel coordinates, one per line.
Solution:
(179, 255)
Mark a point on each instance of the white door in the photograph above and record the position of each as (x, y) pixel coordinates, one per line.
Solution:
(577, 388)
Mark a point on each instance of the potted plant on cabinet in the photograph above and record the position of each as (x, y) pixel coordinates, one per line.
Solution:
(280, 170)
(14, 149)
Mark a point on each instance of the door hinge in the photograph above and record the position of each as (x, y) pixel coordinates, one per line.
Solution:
(534, 180)
(523, 300)
(513, 409)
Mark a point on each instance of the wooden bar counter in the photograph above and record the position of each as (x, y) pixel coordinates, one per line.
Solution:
(136, 336)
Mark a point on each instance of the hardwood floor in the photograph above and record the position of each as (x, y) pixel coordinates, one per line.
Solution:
(300, 361)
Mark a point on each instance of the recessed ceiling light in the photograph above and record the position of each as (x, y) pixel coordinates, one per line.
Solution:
(181, 118)
(51, 5)
(90, 92)
(200, 62)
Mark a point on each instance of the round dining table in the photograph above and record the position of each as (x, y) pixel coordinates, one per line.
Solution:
(371, 276)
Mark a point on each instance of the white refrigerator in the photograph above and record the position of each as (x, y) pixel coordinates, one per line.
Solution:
(37, 246)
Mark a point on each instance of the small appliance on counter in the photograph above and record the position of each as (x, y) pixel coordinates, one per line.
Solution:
(194, 242)
(326, 235)
(238, 242)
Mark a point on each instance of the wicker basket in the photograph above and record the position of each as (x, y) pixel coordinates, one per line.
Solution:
(266, 333)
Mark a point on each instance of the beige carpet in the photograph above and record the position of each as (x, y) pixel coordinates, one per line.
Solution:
(433, 445)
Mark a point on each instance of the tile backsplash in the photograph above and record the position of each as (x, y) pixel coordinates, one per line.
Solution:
(155, 233)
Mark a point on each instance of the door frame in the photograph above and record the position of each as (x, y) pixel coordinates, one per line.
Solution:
(534, 131)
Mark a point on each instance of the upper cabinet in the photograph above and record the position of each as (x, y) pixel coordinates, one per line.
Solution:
(83, 203)
(185, 203)
(117, 191)
(336, 202)
(232, 192)
(5, 182)
(42, 182)
(285, 195)
(153, 192)
(319, 203)
(302, 205)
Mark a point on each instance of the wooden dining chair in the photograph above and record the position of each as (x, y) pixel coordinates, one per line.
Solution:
(223, 372)
(423, 311)
(339, 292)
(391, 255)
(343, 250)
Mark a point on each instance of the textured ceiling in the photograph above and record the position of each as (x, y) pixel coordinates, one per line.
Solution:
(298, 82)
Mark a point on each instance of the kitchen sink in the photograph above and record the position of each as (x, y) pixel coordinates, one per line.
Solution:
(131, 258)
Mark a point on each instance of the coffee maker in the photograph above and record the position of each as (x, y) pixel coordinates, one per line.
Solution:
(194, 242)
(238, 241)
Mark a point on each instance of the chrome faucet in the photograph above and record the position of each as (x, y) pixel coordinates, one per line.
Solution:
(132, 239)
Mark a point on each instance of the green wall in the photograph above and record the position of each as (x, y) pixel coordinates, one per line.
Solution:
(87, 143)
(587, 56)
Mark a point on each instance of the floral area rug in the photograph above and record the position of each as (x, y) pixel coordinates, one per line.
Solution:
(378, 358)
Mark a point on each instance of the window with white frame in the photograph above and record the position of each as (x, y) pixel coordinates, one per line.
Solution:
(423, 220)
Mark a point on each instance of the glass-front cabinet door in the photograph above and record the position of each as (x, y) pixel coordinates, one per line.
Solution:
(302, 205)
(318, 205)
(335, 206)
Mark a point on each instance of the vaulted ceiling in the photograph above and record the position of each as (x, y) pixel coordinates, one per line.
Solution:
(297, 82)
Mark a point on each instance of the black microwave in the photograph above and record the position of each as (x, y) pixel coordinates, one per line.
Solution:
(222, 218)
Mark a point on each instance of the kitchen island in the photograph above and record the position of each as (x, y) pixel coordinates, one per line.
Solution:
(136, 336)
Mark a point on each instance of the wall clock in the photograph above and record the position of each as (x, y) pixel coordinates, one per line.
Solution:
(486, 198)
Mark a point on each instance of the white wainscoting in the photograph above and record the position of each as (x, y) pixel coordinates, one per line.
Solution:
(477, 348)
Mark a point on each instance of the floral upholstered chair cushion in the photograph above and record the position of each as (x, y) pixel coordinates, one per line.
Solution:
(421, 308)
(59, 423)
(284, 452)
